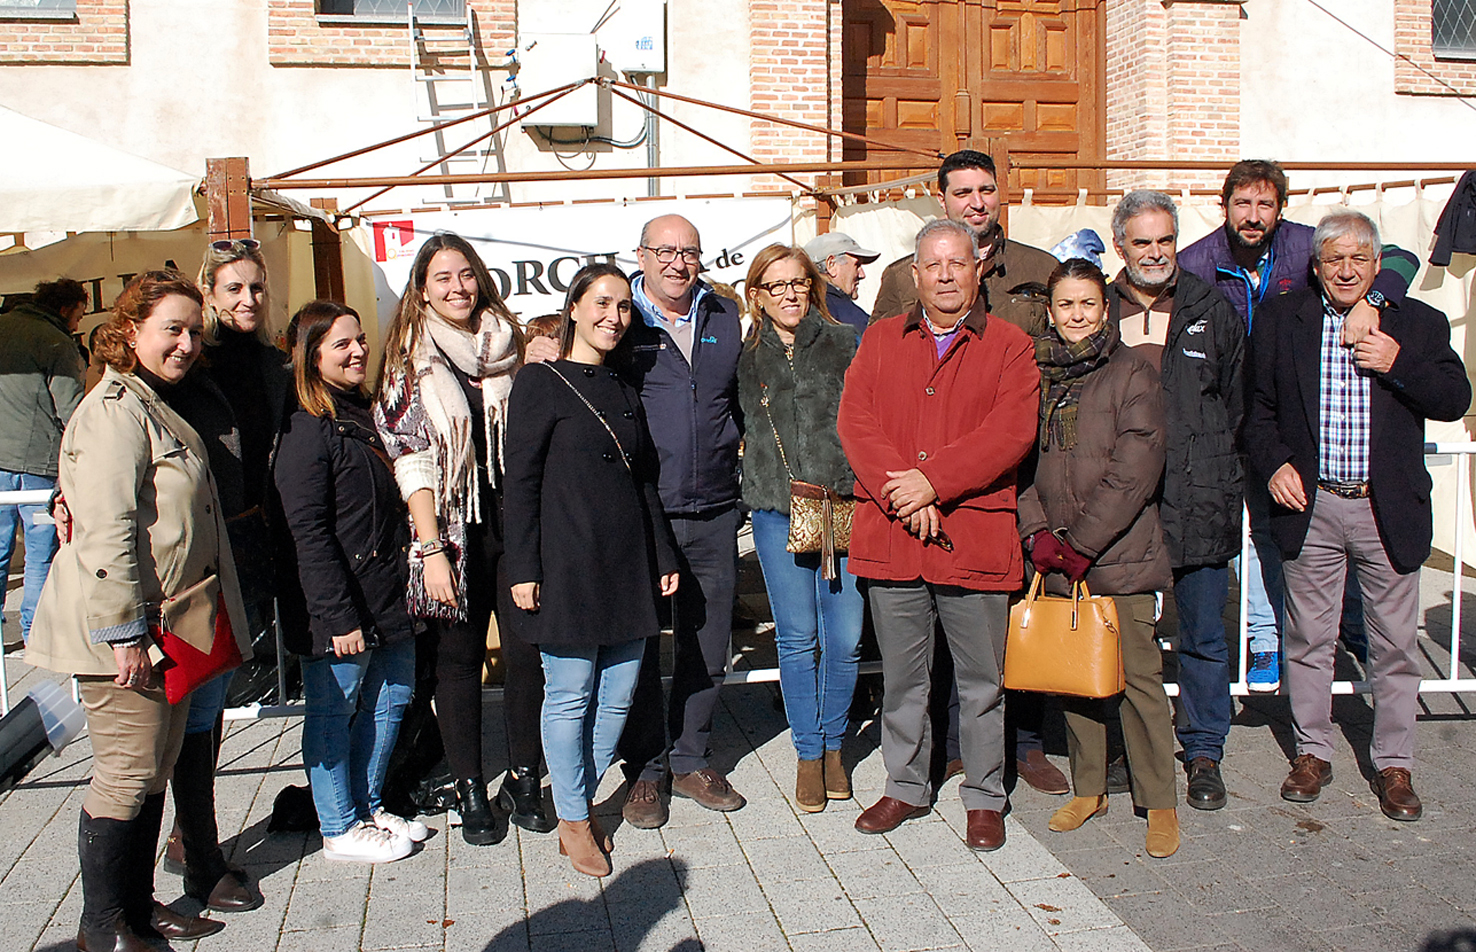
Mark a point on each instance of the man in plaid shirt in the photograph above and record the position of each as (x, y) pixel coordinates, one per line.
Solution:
(1336, 432)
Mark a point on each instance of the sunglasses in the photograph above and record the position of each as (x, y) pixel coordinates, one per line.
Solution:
(234, 244)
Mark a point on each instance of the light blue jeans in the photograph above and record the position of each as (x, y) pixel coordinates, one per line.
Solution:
(354, 705)
(1262, 574)
(40, 543)
(817, 630)
(586, 696)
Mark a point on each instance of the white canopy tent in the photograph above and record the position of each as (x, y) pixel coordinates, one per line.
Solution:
(52, 180)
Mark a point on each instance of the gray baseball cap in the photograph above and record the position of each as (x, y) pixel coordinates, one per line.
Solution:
(838, 243)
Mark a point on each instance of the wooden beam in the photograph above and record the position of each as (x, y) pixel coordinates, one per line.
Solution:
(327, 255)
(228, 197)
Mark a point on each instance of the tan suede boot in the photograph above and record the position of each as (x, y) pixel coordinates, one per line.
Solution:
(809, 786)
(1076, 812)
(1163, 833)
(577, 843)
(837, 784)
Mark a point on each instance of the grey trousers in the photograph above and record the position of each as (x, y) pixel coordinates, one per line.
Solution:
(1147, 722)
(1343, 535)
(975, 623)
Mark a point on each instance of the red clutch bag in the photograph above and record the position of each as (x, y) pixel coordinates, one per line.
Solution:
(195, 635)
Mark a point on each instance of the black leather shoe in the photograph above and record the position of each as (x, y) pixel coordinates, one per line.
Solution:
(522, 797)
(1118, 778)
(479, 825)
(1206, 787)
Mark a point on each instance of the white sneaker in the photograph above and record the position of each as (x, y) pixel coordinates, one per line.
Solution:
(366, 843)
(412, 830)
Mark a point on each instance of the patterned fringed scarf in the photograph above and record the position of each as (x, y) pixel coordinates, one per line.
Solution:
(1062, 368)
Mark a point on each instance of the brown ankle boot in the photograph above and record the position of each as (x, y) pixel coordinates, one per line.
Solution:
(1077, 811)
(809, 786)
(1163, 833)
(837, 784)
(577, 843)
(598, 832)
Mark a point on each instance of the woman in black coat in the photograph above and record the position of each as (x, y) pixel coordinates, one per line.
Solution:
(588, 548)
(348, 522)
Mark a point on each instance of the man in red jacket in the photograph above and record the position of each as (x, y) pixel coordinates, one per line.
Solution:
(939, 409)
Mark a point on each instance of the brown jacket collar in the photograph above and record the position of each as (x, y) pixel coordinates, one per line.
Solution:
(974, 320)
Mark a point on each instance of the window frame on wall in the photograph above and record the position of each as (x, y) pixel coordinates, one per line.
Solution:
(1446, 50)
(38, 10)
(364, 12)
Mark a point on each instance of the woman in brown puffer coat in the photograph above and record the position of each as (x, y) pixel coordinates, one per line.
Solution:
(1090, 511)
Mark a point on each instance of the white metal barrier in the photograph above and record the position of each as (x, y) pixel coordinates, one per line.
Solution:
(1437, 454)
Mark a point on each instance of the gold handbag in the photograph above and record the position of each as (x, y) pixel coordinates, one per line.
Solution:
(819, 517)
(1064, 645)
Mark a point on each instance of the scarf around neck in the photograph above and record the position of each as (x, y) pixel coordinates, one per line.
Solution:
(489, 356)
(1062, 368)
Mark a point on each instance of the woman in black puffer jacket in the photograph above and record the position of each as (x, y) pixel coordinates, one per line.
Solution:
(348, 522)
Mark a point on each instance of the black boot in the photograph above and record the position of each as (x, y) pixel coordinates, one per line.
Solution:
(522, 797)
(103, 846)
(479, 825)
(207, 875)
(150, 919)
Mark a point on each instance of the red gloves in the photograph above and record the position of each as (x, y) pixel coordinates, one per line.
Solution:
(1050, 553)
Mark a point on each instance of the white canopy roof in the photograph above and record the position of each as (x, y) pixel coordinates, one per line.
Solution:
(54, 180)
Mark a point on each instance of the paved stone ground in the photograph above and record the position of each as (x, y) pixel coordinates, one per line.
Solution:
(1260, 875)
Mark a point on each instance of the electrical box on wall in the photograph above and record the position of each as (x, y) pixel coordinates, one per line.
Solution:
(550, 60)
(633, 39)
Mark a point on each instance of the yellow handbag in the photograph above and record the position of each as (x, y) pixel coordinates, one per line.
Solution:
(1064, 645)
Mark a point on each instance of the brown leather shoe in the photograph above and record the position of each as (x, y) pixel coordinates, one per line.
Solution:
(1041, 774)
(1396, 795)
(172, 925)
(644, 808)
(953, 769)
(809, 785)
(709, 788)
(1309, 774)
(119, 938)
(888, 813)
(229, 894)
(986, 830)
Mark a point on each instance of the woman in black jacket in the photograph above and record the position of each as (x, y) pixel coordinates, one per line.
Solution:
(790, 378)
(588, 548)
(348, 522)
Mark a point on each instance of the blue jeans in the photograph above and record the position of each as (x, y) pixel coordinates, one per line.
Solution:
(817, 629)
(1262, 574)
(1200, 594)
(208, 700)
(579, 744)
(40, 543)
(354, 705)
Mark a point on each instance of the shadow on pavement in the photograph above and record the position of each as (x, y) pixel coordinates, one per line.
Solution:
(1461, 940)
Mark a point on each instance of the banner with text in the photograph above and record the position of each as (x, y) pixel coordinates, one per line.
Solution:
(533, 253)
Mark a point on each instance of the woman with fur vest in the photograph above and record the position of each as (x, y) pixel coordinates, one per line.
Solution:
(790, 377)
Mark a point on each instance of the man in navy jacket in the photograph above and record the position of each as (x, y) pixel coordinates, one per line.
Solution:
(1336, 433)
(682, 355)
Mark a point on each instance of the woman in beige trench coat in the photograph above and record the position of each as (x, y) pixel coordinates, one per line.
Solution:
(145, 526)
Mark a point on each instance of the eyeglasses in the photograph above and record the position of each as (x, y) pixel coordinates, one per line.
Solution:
(666, 254)
(777, 288)
(233, 244)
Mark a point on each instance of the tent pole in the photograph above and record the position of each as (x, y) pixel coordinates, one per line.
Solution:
(228, 195)
(327, 255)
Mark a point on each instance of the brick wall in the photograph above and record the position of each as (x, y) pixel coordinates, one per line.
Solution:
(296, 37)
(99, 35)
(791, 60)
(1416, 70)
(1173, 88)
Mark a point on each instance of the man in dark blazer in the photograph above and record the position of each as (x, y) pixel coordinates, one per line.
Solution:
(1337, 434)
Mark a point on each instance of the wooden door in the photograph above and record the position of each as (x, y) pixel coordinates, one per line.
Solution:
(1026, 75)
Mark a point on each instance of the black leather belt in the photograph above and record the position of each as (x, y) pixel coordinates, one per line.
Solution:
(1358, 490)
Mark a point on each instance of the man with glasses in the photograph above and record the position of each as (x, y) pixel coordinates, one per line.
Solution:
(1336, 432)
(682, 355)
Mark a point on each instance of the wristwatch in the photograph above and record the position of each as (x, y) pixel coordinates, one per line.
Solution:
(1376, 298)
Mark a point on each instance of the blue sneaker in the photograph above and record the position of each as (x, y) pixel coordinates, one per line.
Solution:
(1264, 676)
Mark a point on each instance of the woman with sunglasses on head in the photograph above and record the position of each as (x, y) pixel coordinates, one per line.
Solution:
(450, 356)
(348, 522)
(239, 398)
(147, 529)
(790, 377)
(588, 548)
(1089, 511)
